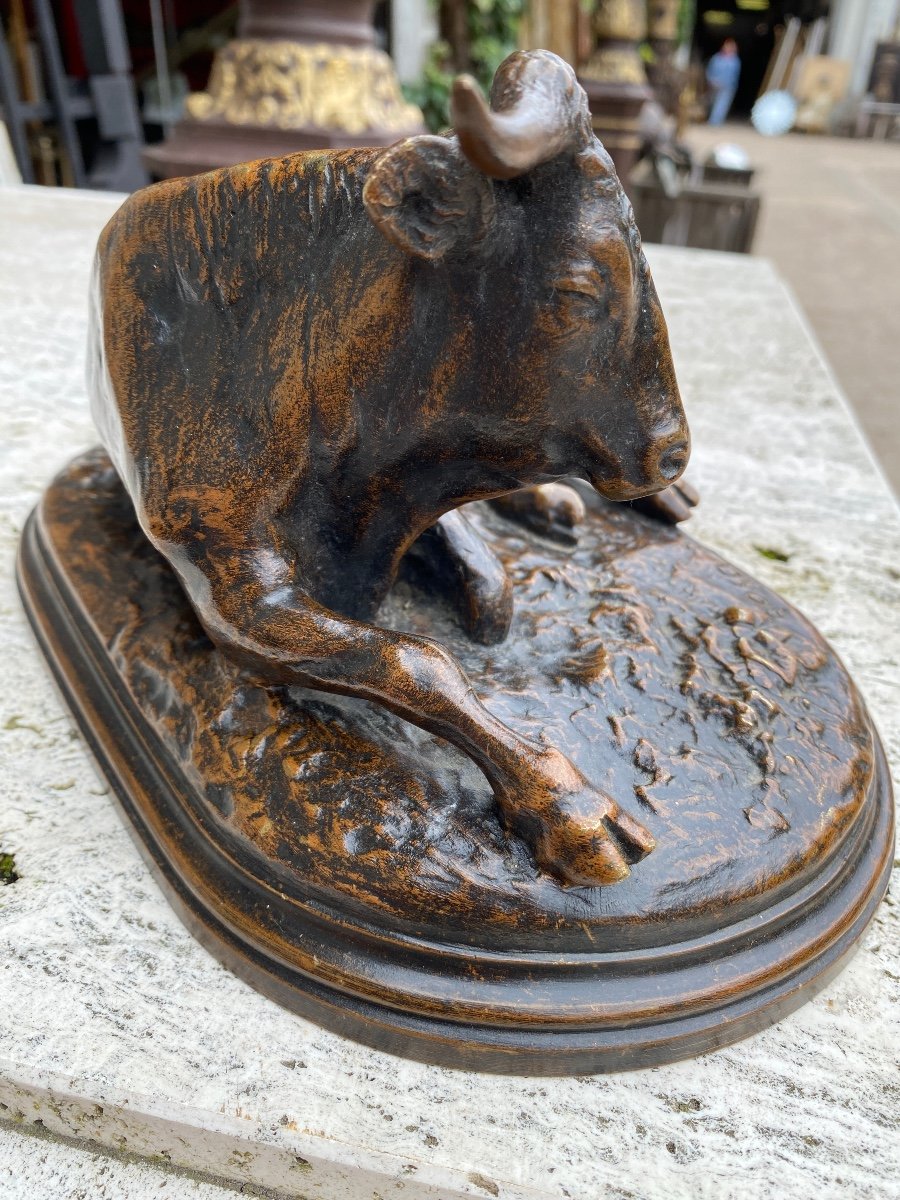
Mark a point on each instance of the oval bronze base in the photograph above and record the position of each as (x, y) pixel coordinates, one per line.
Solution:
(435, 937)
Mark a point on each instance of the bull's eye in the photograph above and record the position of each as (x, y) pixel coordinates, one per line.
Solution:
(587, 285)
(580, 291)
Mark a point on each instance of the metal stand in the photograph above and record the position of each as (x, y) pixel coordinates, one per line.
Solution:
(110, 99)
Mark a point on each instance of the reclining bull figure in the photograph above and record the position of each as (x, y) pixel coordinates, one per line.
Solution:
(299, 366)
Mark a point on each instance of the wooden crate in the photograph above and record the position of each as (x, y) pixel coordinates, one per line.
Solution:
(705, 216)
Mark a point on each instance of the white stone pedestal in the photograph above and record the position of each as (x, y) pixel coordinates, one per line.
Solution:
(117, 1028)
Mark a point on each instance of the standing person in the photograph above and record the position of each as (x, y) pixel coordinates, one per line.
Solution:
(722, 74)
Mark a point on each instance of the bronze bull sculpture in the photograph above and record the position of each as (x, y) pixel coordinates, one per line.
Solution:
(301, 366)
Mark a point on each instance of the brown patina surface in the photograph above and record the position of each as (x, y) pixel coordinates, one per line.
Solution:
(685, 688)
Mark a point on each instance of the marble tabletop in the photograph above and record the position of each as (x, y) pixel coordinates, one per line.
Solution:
(118, 1030)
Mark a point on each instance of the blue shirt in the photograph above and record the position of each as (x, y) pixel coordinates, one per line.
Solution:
(723, 70)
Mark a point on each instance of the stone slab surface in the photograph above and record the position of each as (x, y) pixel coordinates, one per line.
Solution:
(116, 1027)
(38, 1167)
(830, 222)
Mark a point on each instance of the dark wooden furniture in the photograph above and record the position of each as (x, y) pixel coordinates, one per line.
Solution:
(703, 215)
(109, 98)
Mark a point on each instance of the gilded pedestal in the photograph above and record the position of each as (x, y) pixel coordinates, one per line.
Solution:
(280, 86)
(616, 82)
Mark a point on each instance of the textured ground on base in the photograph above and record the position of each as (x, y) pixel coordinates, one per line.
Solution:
(694, 695)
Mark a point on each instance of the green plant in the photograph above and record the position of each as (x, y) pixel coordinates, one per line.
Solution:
(493, 34)
(432, 92)
(487, 35)
(687, 16)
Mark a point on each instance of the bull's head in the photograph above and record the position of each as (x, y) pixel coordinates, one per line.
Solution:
(523, 211)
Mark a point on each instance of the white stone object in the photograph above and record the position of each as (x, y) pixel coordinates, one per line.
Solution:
(10, 175)
(118, 1028)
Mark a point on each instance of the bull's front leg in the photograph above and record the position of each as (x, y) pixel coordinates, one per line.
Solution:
(459, 562)
(253, 608)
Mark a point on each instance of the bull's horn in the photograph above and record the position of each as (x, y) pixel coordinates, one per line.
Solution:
(538, 110)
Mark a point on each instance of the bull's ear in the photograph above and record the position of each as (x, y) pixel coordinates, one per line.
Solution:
(426, 199)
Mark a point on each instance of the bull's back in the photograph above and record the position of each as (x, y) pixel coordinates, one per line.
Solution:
(152, 358)
(200, 322)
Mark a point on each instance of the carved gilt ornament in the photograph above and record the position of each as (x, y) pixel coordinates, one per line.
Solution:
(291, 85)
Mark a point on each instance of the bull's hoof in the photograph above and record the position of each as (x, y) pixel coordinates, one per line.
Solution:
(577, 833)
(552, 510)
(672, 505)
(580, 851)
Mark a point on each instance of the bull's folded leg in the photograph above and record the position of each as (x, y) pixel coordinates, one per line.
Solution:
(264, 620)
(553, 510)
(671, 505)
(463, 566)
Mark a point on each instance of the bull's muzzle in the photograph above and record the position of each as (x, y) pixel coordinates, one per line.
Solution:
(661, 463)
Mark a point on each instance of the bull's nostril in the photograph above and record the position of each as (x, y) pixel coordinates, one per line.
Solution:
(672, 461)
